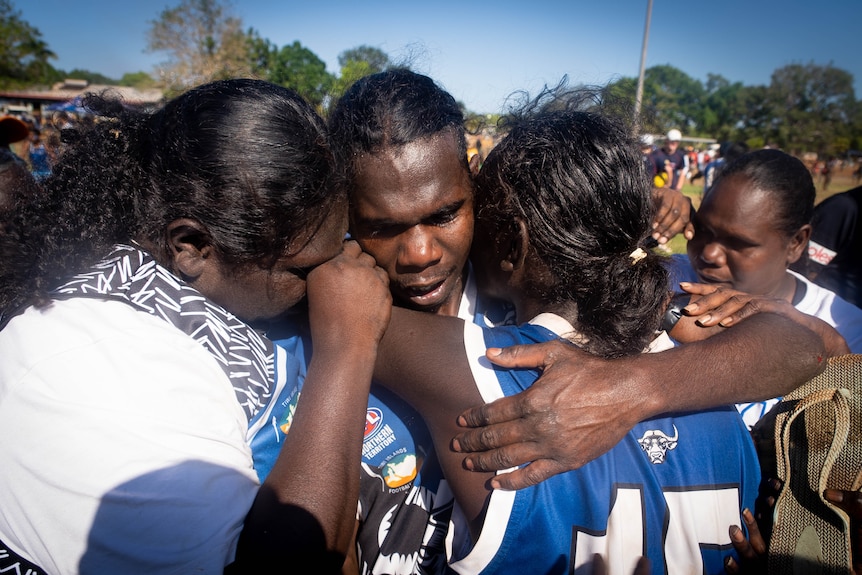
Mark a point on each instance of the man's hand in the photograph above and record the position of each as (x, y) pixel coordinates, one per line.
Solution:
(576, 411)
(673, 215)
(348, 294)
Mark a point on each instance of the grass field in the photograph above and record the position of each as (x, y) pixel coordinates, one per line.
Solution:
(841, 182)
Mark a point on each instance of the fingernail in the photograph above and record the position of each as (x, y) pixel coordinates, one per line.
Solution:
(704, 319)
(691, 308)
(468, 465)
(493, 351)
(834, 495)
(726, 322)
(456, 445)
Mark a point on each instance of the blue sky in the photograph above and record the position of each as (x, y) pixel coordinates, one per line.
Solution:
(483, 51)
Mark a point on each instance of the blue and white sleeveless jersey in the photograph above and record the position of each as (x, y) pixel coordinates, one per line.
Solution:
(404, 502)
(668, 491)
(266, 431)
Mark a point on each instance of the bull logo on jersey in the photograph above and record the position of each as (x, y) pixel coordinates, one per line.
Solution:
(656, 444)
(373, 421)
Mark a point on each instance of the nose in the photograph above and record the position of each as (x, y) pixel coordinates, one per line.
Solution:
(712, 254)
(419, 249)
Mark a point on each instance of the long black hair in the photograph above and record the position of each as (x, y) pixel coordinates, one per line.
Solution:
(247, 159)
(576, 179)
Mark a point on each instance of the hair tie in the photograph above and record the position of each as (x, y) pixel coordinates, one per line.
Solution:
(637, 255)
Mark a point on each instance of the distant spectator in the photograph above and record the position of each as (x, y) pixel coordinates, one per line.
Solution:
(12, 130)
(38, 155)
(673, 159)
(727, 152)
(835, 248)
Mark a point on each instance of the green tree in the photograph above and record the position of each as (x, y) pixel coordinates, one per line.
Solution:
(203, 42)
(24, 56)
(356, 63)
(811, 106)
(671, 99)
(755, 117)
(298, 68)
(140, 80)
(377, 59)
(674, 98)
(723, 108)
(91, 77)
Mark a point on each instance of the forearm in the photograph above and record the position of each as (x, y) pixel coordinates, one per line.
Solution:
(764, 357)
(307, 505)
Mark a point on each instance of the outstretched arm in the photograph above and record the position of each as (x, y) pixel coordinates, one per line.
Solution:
(582, 405)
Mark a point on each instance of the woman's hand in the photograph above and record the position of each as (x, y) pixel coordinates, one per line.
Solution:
(349, 301)
(714, 307)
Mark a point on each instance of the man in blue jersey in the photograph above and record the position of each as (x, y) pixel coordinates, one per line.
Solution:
(399, 139)
(672, 486)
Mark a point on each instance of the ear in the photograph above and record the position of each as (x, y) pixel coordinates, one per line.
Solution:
(189, 247)
(474, 165)
(516, 249)
(798, 244)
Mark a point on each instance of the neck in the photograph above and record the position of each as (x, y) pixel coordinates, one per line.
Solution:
(787, 288)
(526, 310)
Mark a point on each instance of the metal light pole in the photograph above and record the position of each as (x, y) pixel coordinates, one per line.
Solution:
(640, 89)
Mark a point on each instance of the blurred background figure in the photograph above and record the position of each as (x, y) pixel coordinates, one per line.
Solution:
(38, 155)
(835, 249)
(12, 130)
(672, 159)
(727, 152)
(15, 177)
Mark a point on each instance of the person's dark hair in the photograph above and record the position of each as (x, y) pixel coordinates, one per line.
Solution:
(247, 159)
(577, 180)
(391, 108)
(784, 177)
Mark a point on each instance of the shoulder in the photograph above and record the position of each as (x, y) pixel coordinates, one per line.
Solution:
(119, 407)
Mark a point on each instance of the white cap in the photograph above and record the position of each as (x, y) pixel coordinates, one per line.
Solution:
(674, 136)
(647, 140)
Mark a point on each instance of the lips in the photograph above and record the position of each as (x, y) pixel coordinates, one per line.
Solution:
(424, 295)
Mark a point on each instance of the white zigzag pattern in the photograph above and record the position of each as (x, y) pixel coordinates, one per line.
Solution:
(131, 275)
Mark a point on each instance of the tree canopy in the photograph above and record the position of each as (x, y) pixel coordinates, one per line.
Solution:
(24, 56)
(806, 107)
(202, 40)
